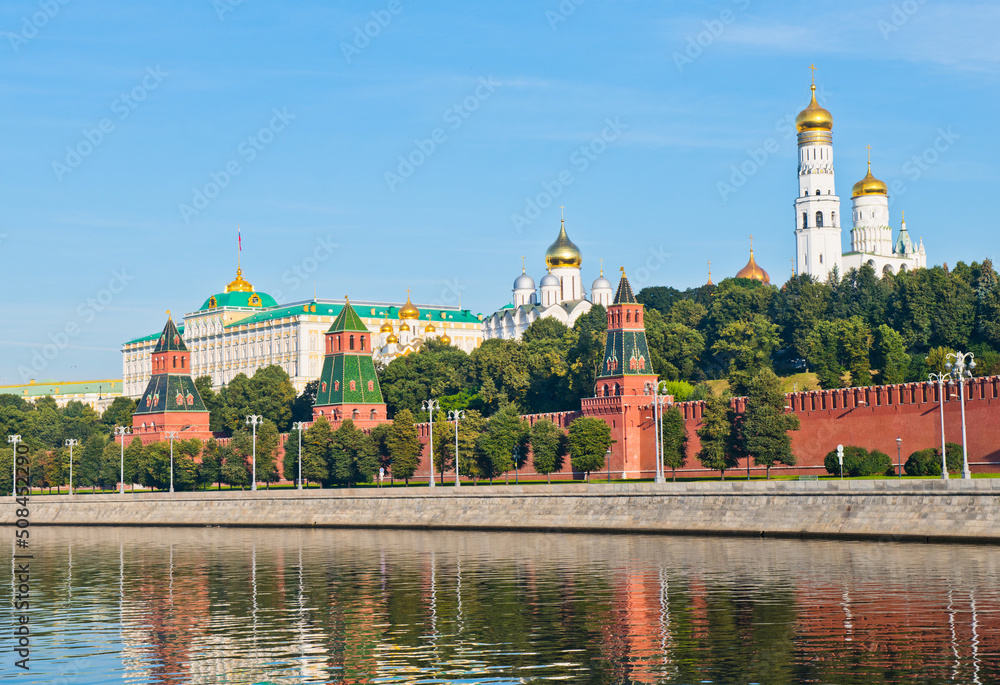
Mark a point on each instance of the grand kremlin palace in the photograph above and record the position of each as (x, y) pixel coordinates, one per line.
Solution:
(242, 330)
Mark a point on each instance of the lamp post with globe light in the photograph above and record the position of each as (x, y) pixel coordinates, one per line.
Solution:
(455, 415)
(12, 440)
(299, 426)
(654, 389)
(940, 379)
(172, 435)
(429, 407)
(122, 431)
(962, 369)
(70, 443)
(253, 421)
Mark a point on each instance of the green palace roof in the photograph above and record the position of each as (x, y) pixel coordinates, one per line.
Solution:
(240, 299)
(111, 386)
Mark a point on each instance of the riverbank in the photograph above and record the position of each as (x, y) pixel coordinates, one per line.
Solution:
(876, 509)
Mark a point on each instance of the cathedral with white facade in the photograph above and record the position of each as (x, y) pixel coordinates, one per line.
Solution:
(818, 248)
(561, 294)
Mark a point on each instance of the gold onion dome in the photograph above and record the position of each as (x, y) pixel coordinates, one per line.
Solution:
(404, 327)
(392, 339)
(408, 311)
(385, 328)
(445, 339)
(430, 328)
(869, 185)
(814, 117)
(563, 253)
(238, 284)
(751, 270)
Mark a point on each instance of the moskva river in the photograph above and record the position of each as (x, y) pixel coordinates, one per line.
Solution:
(210, 605)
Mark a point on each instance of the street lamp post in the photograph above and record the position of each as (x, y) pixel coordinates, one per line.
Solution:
(172, 435)
(70, 442)
(455, 415)
(12, 440)
(840, 458)
(962, 369)
(940, 378)
(122, 431)
(299, 425)
(253, 421)
(429, 407)
(654, 390)
(899, 457)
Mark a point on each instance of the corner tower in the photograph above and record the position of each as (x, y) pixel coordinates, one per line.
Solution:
(171, 402)
(817, 207)
(348, 387)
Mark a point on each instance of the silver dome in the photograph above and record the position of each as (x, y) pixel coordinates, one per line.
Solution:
(524, 282)
(549, 279)
(601, 282)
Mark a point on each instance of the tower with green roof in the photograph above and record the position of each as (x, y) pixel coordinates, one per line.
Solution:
(171, 402)
(620, 391)
(348, 387)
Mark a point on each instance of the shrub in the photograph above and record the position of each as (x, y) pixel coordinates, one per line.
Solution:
(859, 462)
(927, 462)
(681, 390)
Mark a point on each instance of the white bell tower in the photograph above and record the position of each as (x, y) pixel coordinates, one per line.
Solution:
(817, 207)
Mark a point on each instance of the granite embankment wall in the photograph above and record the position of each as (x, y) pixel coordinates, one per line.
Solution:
(886, 509)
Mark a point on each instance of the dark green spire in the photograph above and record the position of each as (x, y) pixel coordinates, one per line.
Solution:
(170, 339)
(624, 294)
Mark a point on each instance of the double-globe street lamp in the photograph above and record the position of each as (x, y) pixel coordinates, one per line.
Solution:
(429, 407)
(253, 421)
(172, 435)
(961, 368)
(299, 426)
(655, 389)
(70, 443)
(122, 431)
(455, 415)
(12, 440)
(940, 379)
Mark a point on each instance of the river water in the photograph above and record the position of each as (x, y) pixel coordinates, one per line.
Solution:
(212, 605)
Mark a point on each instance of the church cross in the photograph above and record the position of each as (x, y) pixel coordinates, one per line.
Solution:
(751, 242)
(812, 67)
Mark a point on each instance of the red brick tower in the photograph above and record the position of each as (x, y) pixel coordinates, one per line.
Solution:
(171, 401)
(620, 390)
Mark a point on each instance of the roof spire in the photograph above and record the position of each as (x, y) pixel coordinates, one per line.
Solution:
(522, 264)
(168, 316)
(709, 273)
(602, 266)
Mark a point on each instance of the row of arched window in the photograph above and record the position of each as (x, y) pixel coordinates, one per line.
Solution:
(819, 219)
(350, 343)
(160, 362)
(615, 317)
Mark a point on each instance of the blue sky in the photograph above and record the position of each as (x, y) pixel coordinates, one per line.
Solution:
(630, 113)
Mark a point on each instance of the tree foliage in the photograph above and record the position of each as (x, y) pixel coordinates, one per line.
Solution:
(549, 446)
(766, 424)
(589, 442)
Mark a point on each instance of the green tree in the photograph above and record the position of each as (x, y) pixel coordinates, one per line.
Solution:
(213, 402)
(404, 446)
(381, 435)
(766, 423)
(290, 463)
(118, 413)
(937, 358)
(889, 356)
(589, 442)
(435, 370)
(747, 346)
(585, 355)
(798, 306)
(822, 352)
(675, 441)
(469, 430)
(507, 435)
(302, 408)
(6, 470)
(504, 363)
(687, 313)
(855, 344)
(352, 455)
(133, 461)
(235, 470)
(91, 461)
(316, 446)
(444, 445)
(714, 434)
(549, 446)
(738, 299)
(210, 468)
(675, 349)
(658, 297)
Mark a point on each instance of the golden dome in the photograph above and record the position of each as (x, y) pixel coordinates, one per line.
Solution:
(445, 339)
(430, 328)
(386, 328)
(404, 327)
(814, 117)
(392, 339)
(239, 285)
(408, 311)
(870, 185)
(563, 253)
(751, 270)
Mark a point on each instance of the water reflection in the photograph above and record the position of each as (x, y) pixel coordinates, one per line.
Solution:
(311, 606)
